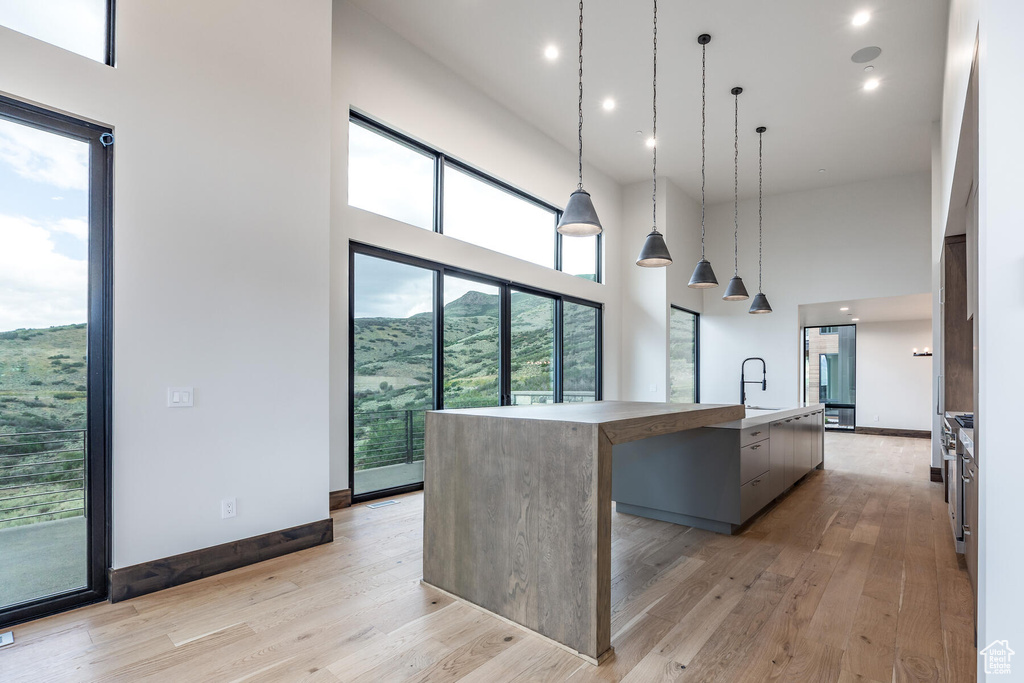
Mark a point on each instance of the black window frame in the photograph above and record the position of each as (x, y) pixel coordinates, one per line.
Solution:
(99, 350)
(442, 159)
(696, 351)
(505, 288)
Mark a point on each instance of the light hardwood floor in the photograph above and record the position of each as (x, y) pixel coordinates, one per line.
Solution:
(850, 577)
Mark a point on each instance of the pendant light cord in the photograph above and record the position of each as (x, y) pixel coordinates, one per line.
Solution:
(736, 186)
(580, 128)
(654, 130)
(703, 130)
(760, 208)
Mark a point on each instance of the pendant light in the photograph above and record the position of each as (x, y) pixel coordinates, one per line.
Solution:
(760, 303)
(580, 218)
(703, 275)
(655, 252)
(735, 291)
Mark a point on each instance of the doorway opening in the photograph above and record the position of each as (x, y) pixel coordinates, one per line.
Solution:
(830, 373)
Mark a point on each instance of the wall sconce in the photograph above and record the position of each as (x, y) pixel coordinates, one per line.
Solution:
(925, 353)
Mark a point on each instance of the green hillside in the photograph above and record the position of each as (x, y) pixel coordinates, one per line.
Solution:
(42, 389)
(42, 379)
(394, 366)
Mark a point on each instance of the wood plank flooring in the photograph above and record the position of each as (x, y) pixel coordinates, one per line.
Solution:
(850, 577)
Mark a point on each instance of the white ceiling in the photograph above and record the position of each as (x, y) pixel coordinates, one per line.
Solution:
(880, 310)
(791, 56)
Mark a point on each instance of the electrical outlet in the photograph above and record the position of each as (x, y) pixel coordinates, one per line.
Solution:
(654, 388)
(876, 418)
(228, 508)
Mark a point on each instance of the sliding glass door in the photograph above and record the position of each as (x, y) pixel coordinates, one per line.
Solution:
(393, 329)
(54, 361)
(472, 344)
(426, 336)
(532, 348)
(830, 373)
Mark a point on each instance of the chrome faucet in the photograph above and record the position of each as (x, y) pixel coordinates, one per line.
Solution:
(744, 382)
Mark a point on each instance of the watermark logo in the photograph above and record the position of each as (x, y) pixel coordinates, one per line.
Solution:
(997, 657)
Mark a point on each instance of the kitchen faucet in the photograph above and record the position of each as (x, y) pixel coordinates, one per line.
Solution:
(744, 382)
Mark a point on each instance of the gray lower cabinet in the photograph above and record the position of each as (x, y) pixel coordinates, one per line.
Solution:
(715, 478)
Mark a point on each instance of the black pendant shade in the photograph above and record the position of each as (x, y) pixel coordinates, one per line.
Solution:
(735, 291)
(654, 253)
(579, 218)
(703, 276)
(760, 304)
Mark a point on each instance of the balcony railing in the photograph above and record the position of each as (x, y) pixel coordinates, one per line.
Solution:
(389, 437)
(42, 476)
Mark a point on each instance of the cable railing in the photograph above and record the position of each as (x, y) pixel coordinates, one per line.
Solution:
(42, 476)
(388, 437)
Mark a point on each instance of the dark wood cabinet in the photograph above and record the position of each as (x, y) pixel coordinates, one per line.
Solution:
(957, 331)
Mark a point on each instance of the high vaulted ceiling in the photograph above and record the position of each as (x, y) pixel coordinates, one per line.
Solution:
(792, 57)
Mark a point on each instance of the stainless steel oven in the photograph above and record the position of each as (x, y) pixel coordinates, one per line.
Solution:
(952, 464)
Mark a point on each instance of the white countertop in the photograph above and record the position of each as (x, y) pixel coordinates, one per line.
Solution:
(762, 416)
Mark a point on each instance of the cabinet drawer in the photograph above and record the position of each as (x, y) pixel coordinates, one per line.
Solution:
(752, 434)
(754, 495)
(754, 459)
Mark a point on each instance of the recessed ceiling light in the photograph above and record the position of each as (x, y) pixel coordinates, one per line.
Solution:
(869, 67)
(871, 84)
(845, 308)
(821, 170)
(856, 320)
(608, 104)
(861, 18)
(650, 142)
(551, 52)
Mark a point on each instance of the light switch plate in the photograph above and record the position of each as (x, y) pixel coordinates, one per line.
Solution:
(180, 397)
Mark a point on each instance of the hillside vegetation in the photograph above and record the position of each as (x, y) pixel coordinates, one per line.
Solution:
(42, 389)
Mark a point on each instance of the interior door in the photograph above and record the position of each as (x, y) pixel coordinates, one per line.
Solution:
(55, 361)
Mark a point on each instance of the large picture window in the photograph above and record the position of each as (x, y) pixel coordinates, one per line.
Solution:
(684, 343)
(448, 196)
(426, 336)
(85, 27)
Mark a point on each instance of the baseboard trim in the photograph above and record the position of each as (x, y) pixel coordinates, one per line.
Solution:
(149, 577)
(936, 474)
(341, 499)
(905, 433)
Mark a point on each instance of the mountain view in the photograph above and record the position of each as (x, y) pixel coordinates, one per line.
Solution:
(394, 365)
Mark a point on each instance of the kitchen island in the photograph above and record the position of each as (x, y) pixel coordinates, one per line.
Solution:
(719, 477)
(517, 508)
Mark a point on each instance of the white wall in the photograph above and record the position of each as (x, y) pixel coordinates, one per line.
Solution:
(1000, 327)
(856, 241)
(379, 73)
(221, 270)
(892, 384)
(644, 299)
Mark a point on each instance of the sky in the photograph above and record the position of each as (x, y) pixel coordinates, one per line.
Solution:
(44, 231)
(75, 25)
